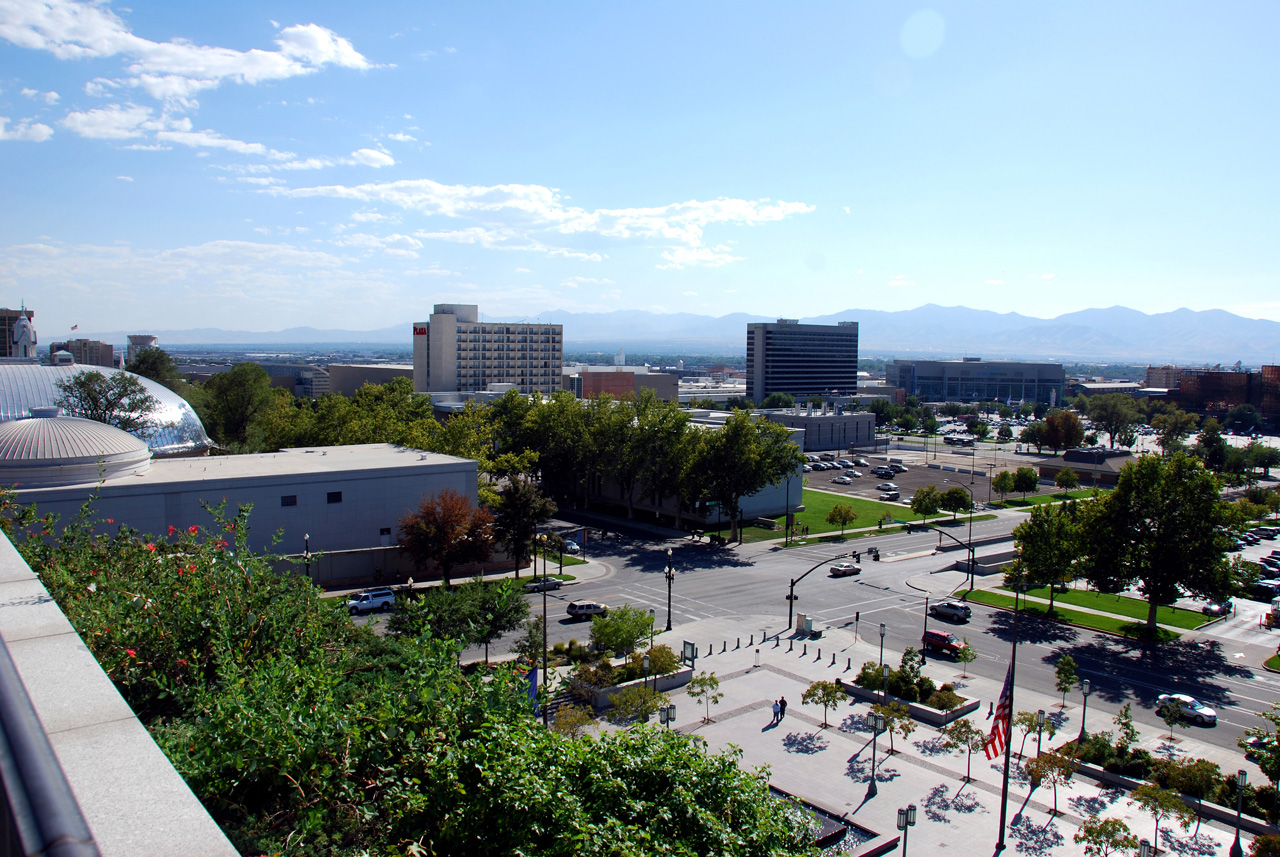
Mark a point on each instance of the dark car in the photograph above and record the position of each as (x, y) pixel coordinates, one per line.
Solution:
(942, 641)
(1217, 608)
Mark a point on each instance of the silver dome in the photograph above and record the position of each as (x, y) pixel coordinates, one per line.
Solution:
(48, 451)
(24, 386)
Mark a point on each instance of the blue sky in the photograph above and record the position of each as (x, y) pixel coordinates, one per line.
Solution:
(266, 165)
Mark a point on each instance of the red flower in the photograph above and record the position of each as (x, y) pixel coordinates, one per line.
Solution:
(171, 529)
(193, 529)
(151, 546)
(111, 520)
(191, 569)
(131, 653)
(181, 662)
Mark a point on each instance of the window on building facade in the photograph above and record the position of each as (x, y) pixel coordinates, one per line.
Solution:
(335, 496)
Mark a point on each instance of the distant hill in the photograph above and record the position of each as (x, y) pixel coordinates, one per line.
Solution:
(1114, 333)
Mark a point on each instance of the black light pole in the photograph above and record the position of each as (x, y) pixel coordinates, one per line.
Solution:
(306, 537)
(671, 576)
(882, 645)
(926, 614)
(1241, 776)
(791, 594)
(1039, 729)
(972, 503)
(877, 726)
(906, 821)
(1084, 711)
(1004, 787)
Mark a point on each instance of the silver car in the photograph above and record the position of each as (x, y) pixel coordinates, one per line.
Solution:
(1191, 708)
(955, 610)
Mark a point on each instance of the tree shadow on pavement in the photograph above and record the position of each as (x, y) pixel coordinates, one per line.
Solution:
(1193, 666)
(936, 746)
(1095, 804)
(1031, 629)
(807, 743)
(1198, 845)
(939, 802)
(1032, 839)
(855, 723)
(859, 769)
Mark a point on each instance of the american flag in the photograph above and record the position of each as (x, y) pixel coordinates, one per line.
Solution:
(1000, 726)
(75, 327)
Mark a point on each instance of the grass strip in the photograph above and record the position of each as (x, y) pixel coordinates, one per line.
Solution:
(1109, 624)
(553, 560)
(1039, 499)
(1122, 605)
(1273, 662)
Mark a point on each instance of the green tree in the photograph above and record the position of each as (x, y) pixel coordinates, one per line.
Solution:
(113, 398)
(743, 456)
(980, 429)
(1211, 446)
(1196, 778)
(841, 516)
(1029, 722)
(1170, 712)
(448, 531)
(1067, 479)
(961, 734)
(1243, 419)
(966, 656)
(1026, 480)
(1161, 805)
(1005, 432)
(571, 721)
(663, 440)
(926, 501)
(230, 402)
(1163, 527)
(929, 424)
(156, 364)
(705, 687)
(827, 694)
(636, 702)
(529, 646)
(1054, 768)
(1173, 425)
(1047, 549)
(1126, 732)
(1266, 845)
(1062, 430)
(955, 500)
(1065, 676)
(897, 720)
(500, 607)
(1033, 434)
(1116, 414)
(1003, 483)
(520, 511)
(1080, 404)
(622, 631)
(1266, 743)
(1102, 837)
(778, 400)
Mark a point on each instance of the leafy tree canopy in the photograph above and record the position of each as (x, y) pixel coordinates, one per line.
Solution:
(113, 398)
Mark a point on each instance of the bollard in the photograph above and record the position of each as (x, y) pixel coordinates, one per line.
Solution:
(805, 651)
(737, 645)
(724, 646)
(751, 641)
(833, 659)
(791, 646)
(819, 657)
(711, 647)
(848, 665)
(777, 641)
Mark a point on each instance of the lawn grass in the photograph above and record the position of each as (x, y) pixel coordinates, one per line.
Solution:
(817, 504)
(1109, 624)
(1122, 605)
(1037, 499)
(1273, 662)
(553, 560)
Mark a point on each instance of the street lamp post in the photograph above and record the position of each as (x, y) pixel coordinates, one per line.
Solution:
(1241, 777)
(884, 684)
(1084, 710)
(882, 646)
(645, 684)
(906, 821)
(926, 613)
(306, 538)
(546, 695)
(791, 594)
(877, 726)
(1146, 849)
(671, 576)
(972, 503)
(1039, 730)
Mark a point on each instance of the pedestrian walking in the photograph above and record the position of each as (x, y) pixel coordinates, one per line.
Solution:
(776, 709)
(782, 708)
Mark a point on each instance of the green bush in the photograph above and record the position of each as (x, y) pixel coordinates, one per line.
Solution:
(944, 700)
(661, 661)
(869, 676)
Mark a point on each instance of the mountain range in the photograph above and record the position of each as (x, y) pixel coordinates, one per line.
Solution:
(1111, 334)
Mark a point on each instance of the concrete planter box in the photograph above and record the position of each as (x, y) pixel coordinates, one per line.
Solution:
(920, 712)
(1212, 811)
(603, 697)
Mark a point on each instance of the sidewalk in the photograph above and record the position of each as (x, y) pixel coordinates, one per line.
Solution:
(590, 570)
(830, 767)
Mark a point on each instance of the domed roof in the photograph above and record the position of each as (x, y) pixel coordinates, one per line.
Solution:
(25, 387)
(48, 451)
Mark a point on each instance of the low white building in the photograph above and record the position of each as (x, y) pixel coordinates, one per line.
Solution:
(344, 497)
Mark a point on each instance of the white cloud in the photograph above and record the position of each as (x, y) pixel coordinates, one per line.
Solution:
(574, 282)
(24, 129)
(847, 211)
(259, 180)
(690, 294)
(401, 137)
(100, 87)
(401, 246)
(125, 178)
(368, 217)
(175, 69)
(373, 158)
(113, 122)
(46, 97)
(532, 217)
(523, 271)
(901, 280)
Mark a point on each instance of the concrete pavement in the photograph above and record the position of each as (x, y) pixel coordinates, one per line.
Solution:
(830, 767)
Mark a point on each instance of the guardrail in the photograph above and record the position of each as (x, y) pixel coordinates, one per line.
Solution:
(38, 814)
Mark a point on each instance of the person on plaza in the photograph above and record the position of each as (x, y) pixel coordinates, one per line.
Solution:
(782, 708)
(776, 709)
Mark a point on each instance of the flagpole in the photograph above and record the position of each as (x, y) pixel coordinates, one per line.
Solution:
(1008, 744)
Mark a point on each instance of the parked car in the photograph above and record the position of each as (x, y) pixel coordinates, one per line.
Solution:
(842, 480)
(844, 462)
(1217, 608)
(570, 546)
(1250, 538)
(542, 584)
(382, 600)
(845, 569)
(586, 609)
(861, 462)
(856, 474)
(808, 468)
(889, 496)
(886, 486)
(1191, 708)
(883, 472)
(898, 468)
(827, 456)
(956, 610)
(941, 641)
(1265, 533)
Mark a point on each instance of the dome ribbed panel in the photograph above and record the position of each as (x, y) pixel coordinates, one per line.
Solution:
(64, 439)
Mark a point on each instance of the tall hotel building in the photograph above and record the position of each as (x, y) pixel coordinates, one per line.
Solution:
(455, 352)
(801, 359)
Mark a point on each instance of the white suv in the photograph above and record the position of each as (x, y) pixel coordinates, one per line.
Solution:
(382, 600)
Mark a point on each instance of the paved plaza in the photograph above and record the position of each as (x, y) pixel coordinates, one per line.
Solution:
(831, 766)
